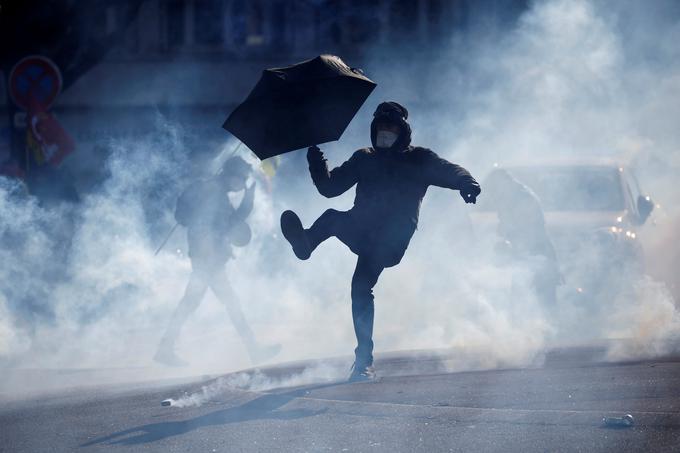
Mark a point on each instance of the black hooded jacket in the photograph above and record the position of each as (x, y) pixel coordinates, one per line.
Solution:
(391, 183)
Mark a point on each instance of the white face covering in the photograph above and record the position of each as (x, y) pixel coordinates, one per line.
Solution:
(385, 139)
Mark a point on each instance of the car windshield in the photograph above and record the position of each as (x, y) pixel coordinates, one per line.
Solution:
(577, 188)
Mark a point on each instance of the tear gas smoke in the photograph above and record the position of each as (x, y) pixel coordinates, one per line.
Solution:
(257, 381)
(80, 286)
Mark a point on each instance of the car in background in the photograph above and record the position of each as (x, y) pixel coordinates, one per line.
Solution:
(593, 212)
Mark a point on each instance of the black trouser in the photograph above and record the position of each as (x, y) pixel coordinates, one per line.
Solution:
(364, 279)
(207, 273)
(376, 251)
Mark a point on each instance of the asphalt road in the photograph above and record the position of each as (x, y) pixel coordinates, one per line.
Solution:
(415, 406)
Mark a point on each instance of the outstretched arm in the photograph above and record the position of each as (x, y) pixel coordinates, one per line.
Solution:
(335, 182)
(442, 173)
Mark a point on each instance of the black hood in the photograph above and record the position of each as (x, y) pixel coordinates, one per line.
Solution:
(395, 113)
(234, 166)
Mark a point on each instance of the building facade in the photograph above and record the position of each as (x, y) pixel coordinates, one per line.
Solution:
(193, 60)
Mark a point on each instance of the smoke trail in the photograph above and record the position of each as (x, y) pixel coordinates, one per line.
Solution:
(256, 381)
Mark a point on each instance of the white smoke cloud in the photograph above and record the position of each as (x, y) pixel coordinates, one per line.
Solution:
(572, 78)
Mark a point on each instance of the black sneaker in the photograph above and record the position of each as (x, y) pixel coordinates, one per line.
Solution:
(362, 373)
(292, 230)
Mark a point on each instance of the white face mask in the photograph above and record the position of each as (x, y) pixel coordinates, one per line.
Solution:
(385, 139)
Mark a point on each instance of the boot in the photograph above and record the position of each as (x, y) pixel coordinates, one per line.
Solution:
(295, 234)
(166, 356)
(362, 373)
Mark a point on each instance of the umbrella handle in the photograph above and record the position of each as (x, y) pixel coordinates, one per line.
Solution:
(165, 241)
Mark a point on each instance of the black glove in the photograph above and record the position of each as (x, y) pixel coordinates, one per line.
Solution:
(470, 192)
(314, 154)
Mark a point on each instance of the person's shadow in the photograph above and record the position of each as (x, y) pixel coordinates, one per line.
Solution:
(264, 407)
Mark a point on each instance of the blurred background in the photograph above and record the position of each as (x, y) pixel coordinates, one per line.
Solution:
(124, 62)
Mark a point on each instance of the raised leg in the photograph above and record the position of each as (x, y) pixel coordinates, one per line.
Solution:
(330, 223)
(304, 242)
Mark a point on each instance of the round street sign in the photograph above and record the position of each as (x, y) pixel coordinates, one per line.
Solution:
(34, 83)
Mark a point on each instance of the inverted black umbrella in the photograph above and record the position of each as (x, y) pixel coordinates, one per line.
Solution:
(298, 106)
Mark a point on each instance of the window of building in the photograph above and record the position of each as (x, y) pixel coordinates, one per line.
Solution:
(111, 12)
(174, 13)
(328, 30)
(434, 13)
(403, 18)
(208, 22)
(247, 23)
(239, 22)
(255, 25)
(279, 24)
(362, 21)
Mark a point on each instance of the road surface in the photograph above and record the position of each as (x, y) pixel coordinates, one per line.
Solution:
(416, 406)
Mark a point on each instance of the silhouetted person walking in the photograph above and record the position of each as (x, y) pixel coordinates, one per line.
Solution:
(392, 178)
(213, 226)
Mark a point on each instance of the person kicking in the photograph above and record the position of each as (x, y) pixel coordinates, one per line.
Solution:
(391, 178)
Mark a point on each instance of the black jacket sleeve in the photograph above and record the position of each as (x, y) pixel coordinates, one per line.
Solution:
(442, 173)
(337, 181)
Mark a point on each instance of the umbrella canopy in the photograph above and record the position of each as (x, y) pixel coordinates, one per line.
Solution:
(298, 106)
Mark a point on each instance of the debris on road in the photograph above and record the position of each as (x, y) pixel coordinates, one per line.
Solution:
(619, 422)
